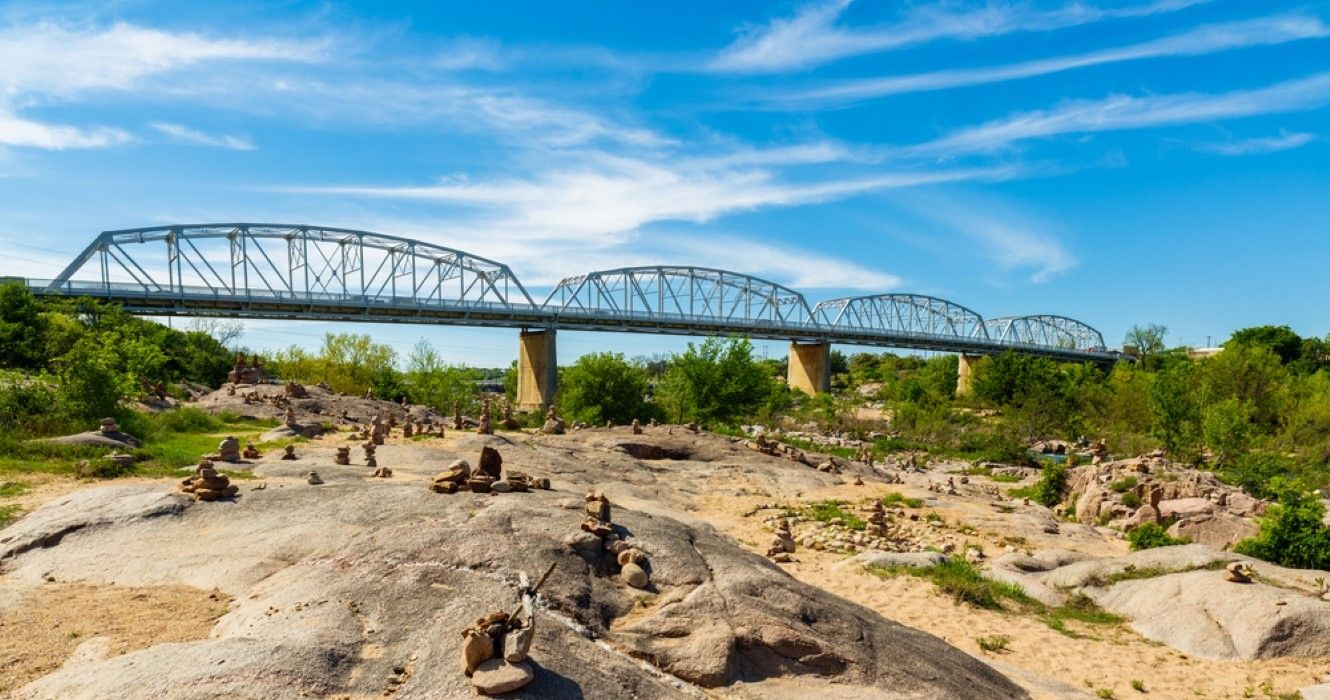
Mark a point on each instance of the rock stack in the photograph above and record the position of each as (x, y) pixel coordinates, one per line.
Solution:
(1238, 572)
(495, 648)
(251, 452)
(637, 427)
(633, 567)
(485, 428)
(295, 390)
(451, 479)
(369, 449)
(509, 423)
(377, 430)
(313, 479)
(343, 456)
(207, 484)
(877, 518)
(782, 543)
(289, 452)
(407, 429)
(457, 415)
(289, 419)
(382, 473)
(229, 450)
(554, 425)
(598, 514)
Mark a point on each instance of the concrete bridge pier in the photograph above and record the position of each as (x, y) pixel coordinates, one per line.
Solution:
(810, 367)
(964, 370)
(537, 370)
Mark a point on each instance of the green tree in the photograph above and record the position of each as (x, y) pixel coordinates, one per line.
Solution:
(348, 362)
(1226, 427)
(1148, 340)
(1280, 340)
(431, 382)
(715, 382)
(1174, 405)
(603, 387)
(1292, 533)
(22, 328)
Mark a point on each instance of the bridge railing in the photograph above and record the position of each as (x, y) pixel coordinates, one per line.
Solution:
(131, 291)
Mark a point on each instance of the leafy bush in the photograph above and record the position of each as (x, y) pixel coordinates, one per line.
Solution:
(1050, 487)
(603, 387)
(1124, 485)
(994, 642)
(1151, 535)
(1292, 533)
(716, 382)
(1131, 499)
(964, 583)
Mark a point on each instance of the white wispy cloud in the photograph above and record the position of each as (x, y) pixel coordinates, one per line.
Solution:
(607, 194)
(53, 58)
(1201, 40)
(1254, 146)
(17, 131)
(811, 37)
(1008, 236)
(187, 135)
(1122, 112)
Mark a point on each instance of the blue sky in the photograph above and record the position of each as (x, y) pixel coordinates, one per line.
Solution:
(1142, 161)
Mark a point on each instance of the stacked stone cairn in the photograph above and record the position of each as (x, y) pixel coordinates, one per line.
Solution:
(1238, 572)
(289, 419)
(369, 449)
(457, 415)
(634, 567)
(637, 427)
(407, 429)
(313, 479)
(509, 423)
(382, 473)
(554, 425)
(343, 456)
(296, 390)
(782, 543)
(251, 452)
(495, 648)
(652, 423)
(207, 484)
(486, 478)
(289, 453)
(485, 428)
(229, 450)
(877, 518)
(377, 430)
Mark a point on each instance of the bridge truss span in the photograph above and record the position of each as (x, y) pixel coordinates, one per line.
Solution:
(284, 264)
(1046, 331)
(296, 271)
(679, 297)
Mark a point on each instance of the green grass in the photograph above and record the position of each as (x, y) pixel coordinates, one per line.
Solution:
(1138, 685)
(994, 642)
(895, 498)
(963, 582)
(171, 440)
(1105, 693)
(1124, 485)
(9, 513)
(1079, 608)
(10, 489)
(826, 511)
(1132, 573)
(1006, 478)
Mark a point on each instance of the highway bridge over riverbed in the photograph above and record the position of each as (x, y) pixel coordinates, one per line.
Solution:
(315, 273)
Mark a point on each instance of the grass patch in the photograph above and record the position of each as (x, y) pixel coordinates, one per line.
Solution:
(806, 446)
(1079, 608)
(171, 440)
(10, 489)
(993, 642)
(1132, 573)
(895, 498)
(1006, 478)
(963, 582)
(826, 511)
(1138, 685)
(1123, 485)
(9, 513)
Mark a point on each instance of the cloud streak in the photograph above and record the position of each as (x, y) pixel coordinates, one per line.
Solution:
(1255, 146)
(17, 131)
(811, 37)
(193, 137)
(1202, 40)
(1122, 112)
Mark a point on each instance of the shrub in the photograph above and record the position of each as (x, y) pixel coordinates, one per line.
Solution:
(1131, 499)
(993, 642)
(1292, 533)
(964, 583)
(1049, 488)
(1124, 485)
(603, 387)
(1151, 535)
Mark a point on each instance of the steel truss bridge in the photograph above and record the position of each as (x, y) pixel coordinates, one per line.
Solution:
(330, 274)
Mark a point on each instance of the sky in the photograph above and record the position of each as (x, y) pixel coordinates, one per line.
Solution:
(1144, 161)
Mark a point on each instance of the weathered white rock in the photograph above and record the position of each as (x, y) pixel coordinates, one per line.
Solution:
(497, 676)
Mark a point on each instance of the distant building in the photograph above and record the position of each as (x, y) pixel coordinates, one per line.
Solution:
(1198, 353)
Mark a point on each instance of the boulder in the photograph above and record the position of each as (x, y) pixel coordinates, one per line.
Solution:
(1185, 507)
(1200, 613)
(498, 676)
(1219, 530)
